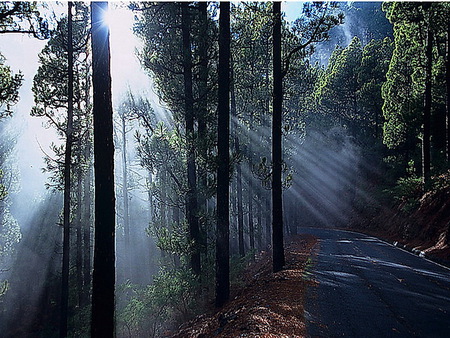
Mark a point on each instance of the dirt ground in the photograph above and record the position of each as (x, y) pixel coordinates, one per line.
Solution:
(268, 305)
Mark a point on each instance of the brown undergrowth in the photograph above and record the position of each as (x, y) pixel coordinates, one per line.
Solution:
(268, 305)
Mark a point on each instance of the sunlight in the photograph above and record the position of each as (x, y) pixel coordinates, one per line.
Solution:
(108, 17)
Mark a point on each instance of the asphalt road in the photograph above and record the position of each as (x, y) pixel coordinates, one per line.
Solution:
(368, 288)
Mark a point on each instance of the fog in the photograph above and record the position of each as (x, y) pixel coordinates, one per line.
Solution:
(324, 177)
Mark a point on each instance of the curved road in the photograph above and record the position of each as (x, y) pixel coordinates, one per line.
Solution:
(368, 288)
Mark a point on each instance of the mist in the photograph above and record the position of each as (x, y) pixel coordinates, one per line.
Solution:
(159, 164)
(327, 179)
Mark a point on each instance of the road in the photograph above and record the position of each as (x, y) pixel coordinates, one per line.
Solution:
(369, 288)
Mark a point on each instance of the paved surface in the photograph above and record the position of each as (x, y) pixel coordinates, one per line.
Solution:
(368, 288)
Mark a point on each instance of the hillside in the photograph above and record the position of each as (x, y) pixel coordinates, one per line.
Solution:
(267, 304)
(419, 222)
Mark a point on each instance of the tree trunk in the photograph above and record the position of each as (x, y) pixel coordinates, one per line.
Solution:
(426, 148)
(79, 257)
(277, 192)
(240, 212)
(103, 283)
(223, 153)
(251, 224)
(202, 120)
(191, 197)
(268, 225)
(259, 217)
(87, 227)
(447, 80)
(67, 171)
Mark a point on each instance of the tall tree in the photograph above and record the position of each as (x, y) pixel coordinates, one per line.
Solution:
(103, 283)
(313, 27)
(426, 138)
(223, 153)
(413, 93)
(67, 180)
(277, 105)
(191, 197)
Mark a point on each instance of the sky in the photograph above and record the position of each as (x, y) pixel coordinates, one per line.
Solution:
(21, 52)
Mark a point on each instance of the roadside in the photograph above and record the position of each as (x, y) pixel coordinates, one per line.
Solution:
(268, 304)
(420, 225)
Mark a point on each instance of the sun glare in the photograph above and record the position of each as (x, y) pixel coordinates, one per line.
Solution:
(108, 17)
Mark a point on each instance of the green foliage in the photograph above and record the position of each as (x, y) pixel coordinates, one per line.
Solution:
(9, 88)
(403, 91)
(349, 90)
(24, 17)
(10, 233)
(152, 309)
(50, 89)
(172, 239)
(408, 191)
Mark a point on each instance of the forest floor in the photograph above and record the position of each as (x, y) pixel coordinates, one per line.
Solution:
(266, 304)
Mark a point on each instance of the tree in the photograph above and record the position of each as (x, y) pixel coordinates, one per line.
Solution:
(22, 17)
(61, 80)
(191, 196)
(313, 27)
(223, 153)
(174, 52)
(103, 283)
(413, 105)
(277, 106)
(9, 88)
(67, 180)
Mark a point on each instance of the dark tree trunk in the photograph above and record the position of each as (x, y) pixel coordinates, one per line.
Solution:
(260, 229)
(268, 225)
(87, 227)
(223, 152)
(79, 257)
(447, 80)
(202, 118)
(67, 171)
(240, 212)
(251, 224)
(191, 197)
(277, 189)
(426, 148)
(103, 283)
(240, 207)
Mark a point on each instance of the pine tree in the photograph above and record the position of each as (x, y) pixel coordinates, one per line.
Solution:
(103, 283)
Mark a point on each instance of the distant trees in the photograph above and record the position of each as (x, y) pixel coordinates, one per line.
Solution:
(349, 90)
(62, 90)
(414, 104)
(184, 85)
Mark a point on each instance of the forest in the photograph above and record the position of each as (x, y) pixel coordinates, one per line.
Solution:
(140, 204)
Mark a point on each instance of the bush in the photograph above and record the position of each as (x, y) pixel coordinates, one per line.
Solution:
(408, 191)
(152, 309)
